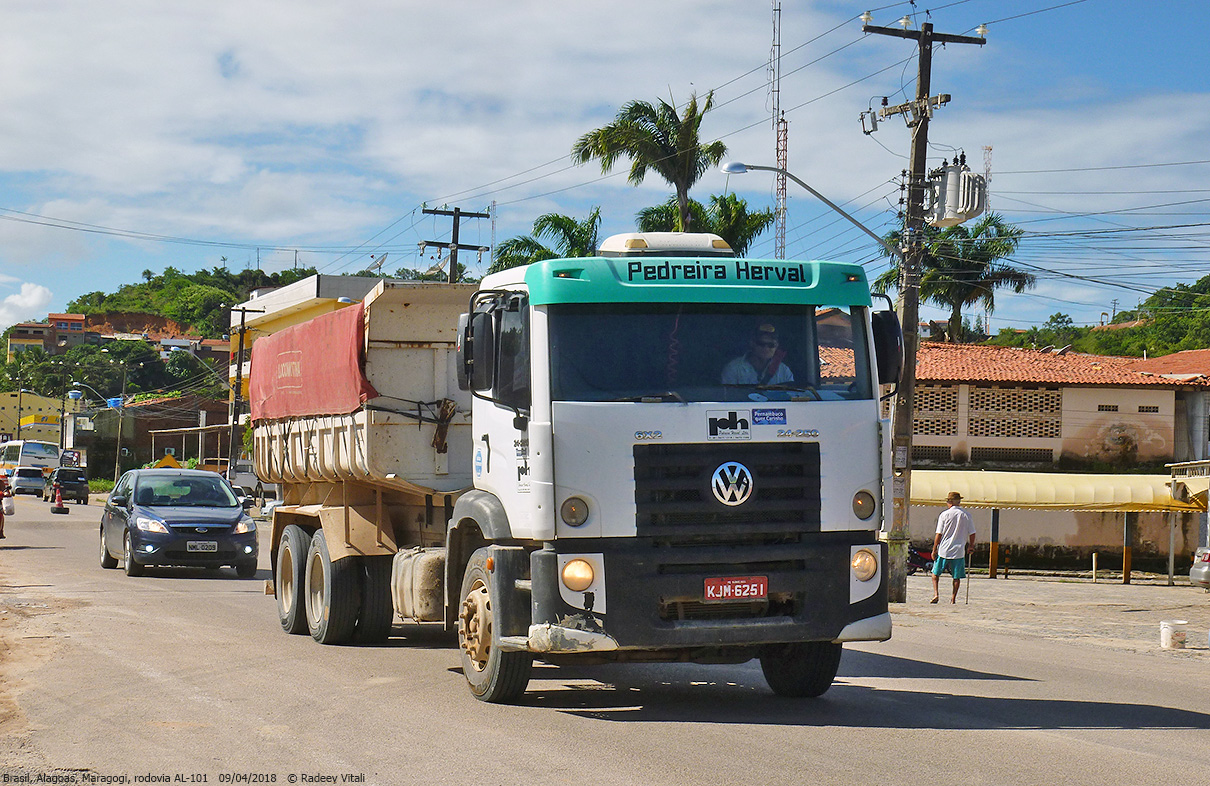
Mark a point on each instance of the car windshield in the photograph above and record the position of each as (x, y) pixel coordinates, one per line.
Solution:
(198, 492)
(708, 352)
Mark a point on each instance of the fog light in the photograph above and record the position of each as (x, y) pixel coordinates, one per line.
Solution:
(578, 575)
(864, 564)
(247, 549)
(149, 548)
(574, 511)
(863, 505)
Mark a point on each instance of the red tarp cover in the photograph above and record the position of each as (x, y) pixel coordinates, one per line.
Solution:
(314, 368)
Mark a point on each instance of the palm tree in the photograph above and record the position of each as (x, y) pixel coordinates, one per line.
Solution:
(961, 267)
(728, 217)
(573, 238)
(656, 137)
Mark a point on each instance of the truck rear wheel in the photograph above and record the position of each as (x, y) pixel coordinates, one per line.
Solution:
(333, 593)
(803, 669)
(291, 579)
(377, 612)
(492, 674)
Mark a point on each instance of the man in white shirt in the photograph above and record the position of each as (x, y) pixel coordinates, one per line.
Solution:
(761, 364)
(954, 539)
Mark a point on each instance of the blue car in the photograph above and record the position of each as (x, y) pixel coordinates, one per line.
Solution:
(184, 517)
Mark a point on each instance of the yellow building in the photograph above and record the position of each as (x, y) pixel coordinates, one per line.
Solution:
(38, 416)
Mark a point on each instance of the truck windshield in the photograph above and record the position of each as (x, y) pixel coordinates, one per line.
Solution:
(708, 352)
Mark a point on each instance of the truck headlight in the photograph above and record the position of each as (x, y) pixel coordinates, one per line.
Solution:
(864, 565)
(578, 575)
(574, 511)
(863, 505)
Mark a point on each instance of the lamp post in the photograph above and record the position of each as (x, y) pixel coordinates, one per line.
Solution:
(897, 536)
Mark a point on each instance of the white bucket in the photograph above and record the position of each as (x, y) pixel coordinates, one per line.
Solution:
(1172, 634)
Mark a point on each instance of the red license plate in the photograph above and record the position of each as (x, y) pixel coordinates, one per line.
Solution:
(737, 588)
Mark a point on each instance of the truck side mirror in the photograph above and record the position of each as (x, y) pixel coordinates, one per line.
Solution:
(888, 346)
(482, 349)
(463, 362)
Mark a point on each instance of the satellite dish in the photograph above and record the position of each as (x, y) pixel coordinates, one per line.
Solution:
(377, 264)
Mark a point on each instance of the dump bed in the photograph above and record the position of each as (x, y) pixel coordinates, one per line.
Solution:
(368, 393)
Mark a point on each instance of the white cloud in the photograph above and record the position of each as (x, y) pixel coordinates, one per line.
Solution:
(30, 303)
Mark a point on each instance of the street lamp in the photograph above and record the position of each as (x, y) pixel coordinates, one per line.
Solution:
(736, 168)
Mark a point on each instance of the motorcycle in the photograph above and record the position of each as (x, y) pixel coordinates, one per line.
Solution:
(919, 560)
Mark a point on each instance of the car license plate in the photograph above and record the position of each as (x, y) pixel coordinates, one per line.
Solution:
(201, 545)
(737, 588)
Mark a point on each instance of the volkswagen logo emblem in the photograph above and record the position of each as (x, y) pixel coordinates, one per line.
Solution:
(731, 483)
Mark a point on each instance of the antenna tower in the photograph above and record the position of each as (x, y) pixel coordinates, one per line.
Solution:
(783, 139)
(987, 177)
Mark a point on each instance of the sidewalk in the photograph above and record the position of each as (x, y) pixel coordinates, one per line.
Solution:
(1068, 607)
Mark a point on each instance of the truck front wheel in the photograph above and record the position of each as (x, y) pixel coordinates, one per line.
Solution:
(492, 674)
(802, 669)
(333, 593)
(291, 578)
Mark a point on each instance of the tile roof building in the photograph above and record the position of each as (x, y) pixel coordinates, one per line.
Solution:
(1003, 406)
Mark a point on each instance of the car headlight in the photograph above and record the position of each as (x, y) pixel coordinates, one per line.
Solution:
(864, 564)
(150, 525)
(245, 524)
(578, 575)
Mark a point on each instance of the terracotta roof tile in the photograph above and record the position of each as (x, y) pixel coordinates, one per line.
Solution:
(1192, 361)
(938, 362)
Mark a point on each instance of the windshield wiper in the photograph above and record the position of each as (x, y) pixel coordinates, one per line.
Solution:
(654, 398)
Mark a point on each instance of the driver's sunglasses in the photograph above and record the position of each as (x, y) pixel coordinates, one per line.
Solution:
(769, 344)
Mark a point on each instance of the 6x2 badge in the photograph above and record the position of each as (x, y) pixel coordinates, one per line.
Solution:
(642, 435)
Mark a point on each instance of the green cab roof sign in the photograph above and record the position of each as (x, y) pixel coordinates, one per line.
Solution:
(700, 280)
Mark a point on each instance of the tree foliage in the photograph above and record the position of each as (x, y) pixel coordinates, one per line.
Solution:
(191, 299)
(962, 267)
(571, 237)
(654, 137)
(727, 216)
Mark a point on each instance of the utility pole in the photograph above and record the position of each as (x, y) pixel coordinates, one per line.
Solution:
(909, 293)
(237, 392)
(454, 245)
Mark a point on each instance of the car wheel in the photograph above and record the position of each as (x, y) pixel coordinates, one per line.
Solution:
(132, 568)
(493, 675)
(108, 560)
(333, 593)
(291, 579)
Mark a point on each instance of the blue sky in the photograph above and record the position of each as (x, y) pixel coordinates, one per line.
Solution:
(138, 134)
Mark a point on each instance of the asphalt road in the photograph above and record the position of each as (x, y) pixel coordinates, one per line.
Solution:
(186, 672)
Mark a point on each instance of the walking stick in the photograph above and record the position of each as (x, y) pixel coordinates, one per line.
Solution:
(968, 579)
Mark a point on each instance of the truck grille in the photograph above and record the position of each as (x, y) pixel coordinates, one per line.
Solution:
(674, 498)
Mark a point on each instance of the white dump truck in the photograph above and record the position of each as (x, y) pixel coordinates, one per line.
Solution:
(618, 458)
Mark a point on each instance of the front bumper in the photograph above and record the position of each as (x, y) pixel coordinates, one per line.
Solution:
(653, 596)
(172, 549)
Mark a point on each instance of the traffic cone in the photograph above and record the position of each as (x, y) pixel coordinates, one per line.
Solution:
(58, 507)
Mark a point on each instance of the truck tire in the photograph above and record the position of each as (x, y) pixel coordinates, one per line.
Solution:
(107, 560)
(377, 612)
(492, 674)
(333, 593)
(803, 669)
(291, 579)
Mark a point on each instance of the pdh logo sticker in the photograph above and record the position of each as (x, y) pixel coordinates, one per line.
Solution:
(727, 425)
